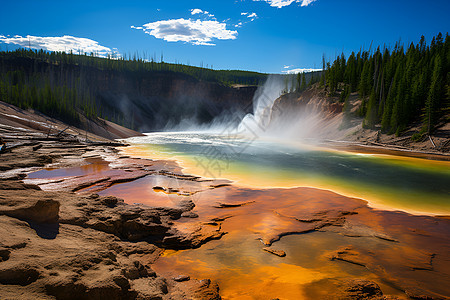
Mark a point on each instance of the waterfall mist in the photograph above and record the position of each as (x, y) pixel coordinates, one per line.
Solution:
(279, 112)
(263, 101)
(281, 115)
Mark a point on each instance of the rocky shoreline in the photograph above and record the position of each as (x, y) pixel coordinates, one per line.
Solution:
(55, 243)
(60, 240)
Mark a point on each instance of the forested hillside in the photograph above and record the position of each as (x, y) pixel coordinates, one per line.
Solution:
(398, 87)
(65, 85)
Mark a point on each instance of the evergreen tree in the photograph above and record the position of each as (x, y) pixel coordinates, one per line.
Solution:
(299, 81)
(322, 76)
(347, 113)
(303, 86)
(365, 83)
(403, 86)
(434, 97)
(371, 118)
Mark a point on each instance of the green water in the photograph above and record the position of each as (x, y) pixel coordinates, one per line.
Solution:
(414, 185)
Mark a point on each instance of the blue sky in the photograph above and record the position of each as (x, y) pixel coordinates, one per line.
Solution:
(266, 35)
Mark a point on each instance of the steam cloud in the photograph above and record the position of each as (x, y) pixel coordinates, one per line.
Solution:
(287, 118)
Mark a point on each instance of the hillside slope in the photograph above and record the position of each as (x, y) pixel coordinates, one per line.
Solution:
(332, 123)
(141, 95)
(18, 124)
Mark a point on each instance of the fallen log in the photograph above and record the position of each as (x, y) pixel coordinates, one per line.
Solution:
(388, 145)
(432, 142)
(62, 131)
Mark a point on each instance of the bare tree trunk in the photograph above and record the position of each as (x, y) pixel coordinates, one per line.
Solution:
(431, 140)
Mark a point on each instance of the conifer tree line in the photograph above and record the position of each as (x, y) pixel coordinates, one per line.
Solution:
(55, 83)
(296, 83)
(136, 63)
(398, 87)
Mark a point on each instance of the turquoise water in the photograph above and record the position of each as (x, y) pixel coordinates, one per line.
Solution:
(414, 185)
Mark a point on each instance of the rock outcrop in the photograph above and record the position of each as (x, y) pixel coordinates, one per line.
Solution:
(82, 263)
(55, 243)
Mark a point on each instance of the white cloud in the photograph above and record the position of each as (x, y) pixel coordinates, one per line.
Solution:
(287, 67)
(196, 32)
(282, 3)
(252, 16)
(196, 11)
(300, 70)
(307, 2)
(64, 43)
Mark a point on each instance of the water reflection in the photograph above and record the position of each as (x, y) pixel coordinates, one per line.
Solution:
(389, 182)
(93, 166)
